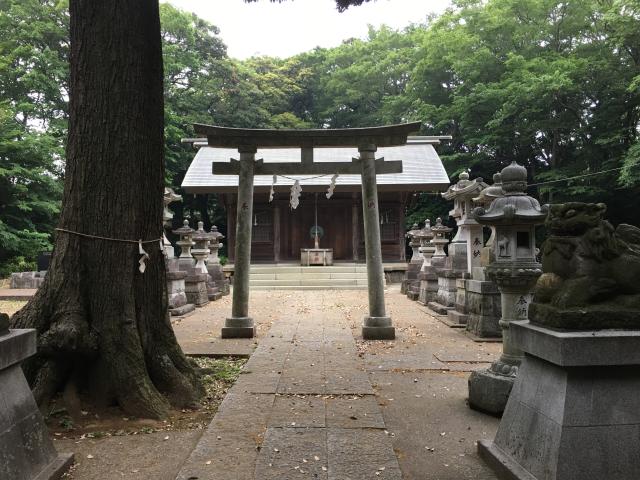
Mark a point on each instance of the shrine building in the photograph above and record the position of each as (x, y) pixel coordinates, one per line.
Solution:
(280, 232)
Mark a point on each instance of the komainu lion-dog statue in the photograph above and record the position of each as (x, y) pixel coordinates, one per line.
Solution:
(591, 276)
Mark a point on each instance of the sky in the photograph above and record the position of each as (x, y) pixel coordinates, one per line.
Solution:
(295, 26)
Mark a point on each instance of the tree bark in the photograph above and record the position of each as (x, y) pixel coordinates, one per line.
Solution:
(98, 318)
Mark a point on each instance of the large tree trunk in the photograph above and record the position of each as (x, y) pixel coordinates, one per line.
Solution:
(101, 322)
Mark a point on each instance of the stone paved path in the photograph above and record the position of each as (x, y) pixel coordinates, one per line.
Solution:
(304, 408)
(17, 293)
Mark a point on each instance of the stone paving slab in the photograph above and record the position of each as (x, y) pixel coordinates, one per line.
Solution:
(298, 411)
(406, 361)
(433, 431)
(291, 453)
(361, 454)
(344, 382)
(354, 412)
(155, 457)
(292, 408)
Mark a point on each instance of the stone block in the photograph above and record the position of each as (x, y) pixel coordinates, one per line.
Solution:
(489, 392)
(27, 279)
(378, 333)
(484, 309)
(457, 319)
(447, 288)
(196, 289)
(26, 451)
(428, 287)
(578, 348)
(177, 300)
(17, 345)
(439, 308)
(566, 421)
(238, 327)
(482, 287)
(182, 310)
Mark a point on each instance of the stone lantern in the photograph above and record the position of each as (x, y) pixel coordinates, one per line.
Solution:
(185, 260)
(482, 294)
(439, 241)
(427, 276)
(415, 263)
(201, 249)
(195, 281)
(469, 234)
(465, 247)
(167, 215)
(446, 295)
(215, 245)
(515, 271)
(426, 246)
(217, 279)
(176, 286)
(414, 243)
(424, 236)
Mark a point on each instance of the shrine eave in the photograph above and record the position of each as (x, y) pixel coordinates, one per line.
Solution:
(382, 136)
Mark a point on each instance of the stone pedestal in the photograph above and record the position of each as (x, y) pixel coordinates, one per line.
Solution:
(483, 307)
(574, 411)
(217, 278)
(446, 297)
(196, 288)
(458, 317)
(428, 287)
(176, 290)
(238, 327)
(26, 451)
(411, 279)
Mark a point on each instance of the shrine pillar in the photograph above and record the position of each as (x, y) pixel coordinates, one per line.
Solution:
(240, 325)
(377, 325)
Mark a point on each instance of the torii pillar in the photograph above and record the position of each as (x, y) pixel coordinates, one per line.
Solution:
(240, 324)
(377, 325)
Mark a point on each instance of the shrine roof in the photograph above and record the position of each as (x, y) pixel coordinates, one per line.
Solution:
(422, 169)
(383, 136)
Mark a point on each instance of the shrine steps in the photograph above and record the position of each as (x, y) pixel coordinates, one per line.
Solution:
(296, 277)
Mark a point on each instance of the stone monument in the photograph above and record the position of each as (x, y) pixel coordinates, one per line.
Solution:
(515, 271)
(574, 412)
(482, 295)
(465, 246)
(415, 262)
(26, 451)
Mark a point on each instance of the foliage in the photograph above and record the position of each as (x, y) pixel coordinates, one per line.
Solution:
(549, 84)
(33, 89)
(552, 85)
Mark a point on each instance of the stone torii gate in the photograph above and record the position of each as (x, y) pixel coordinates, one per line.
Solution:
(377, 325)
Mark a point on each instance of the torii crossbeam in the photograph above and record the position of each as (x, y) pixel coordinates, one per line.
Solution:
(377, 325)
